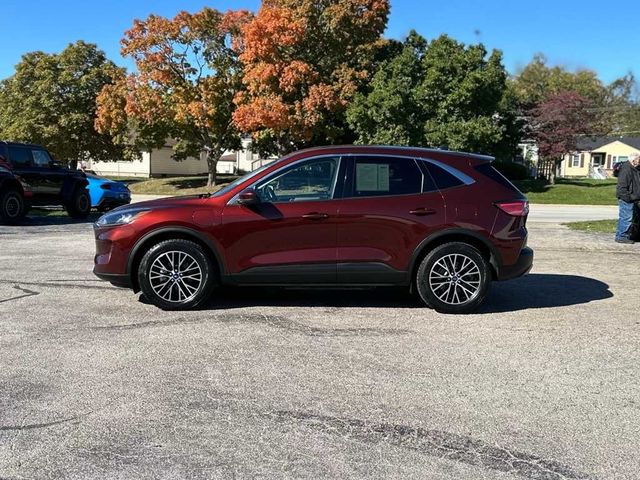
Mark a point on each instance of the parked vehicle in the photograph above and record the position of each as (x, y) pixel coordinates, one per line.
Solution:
(107, 194)
(15, 194)
(442, 223)
(50, 182)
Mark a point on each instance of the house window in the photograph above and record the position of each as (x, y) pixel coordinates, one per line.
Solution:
(620, 159)
(575, 160)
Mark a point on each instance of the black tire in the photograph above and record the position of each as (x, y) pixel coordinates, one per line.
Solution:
(453, 278)
(170, 290)
(12, 206)
(79, 206)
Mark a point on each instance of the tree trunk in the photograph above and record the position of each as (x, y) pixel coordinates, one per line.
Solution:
(212, 164)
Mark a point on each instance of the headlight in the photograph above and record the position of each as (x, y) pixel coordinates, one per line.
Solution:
(120, 218)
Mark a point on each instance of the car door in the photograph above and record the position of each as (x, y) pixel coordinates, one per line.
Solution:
(21, 162)
(390, 205)
(290, 236)
(50, 178)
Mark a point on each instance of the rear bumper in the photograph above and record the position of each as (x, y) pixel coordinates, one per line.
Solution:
(116, 279)
(518, 269)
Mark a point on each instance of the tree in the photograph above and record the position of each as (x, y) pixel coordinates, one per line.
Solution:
(556, 123)
(624, 105)
(304, 61)
(438, 93)
(51, 100)
(390, 112)
(538, 81)
(188, 74)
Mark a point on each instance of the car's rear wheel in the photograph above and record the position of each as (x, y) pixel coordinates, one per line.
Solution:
(453, 278)
(12, 207)
(176, 275)
(80, 205)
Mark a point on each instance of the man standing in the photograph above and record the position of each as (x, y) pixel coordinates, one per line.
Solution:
(628, 193)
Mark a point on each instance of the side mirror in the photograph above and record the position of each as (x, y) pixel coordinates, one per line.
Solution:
(55, 164)
(248, 197)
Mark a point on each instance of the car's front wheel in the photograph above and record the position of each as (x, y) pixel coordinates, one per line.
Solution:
(176, 275)
(453, 278)
(79, 206)
(12, 207)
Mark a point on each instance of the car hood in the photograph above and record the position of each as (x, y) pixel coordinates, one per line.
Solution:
(167, 202)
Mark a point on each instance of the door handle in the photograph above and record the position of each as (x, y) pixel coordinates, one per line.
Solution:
(315, 216)
(421, 212)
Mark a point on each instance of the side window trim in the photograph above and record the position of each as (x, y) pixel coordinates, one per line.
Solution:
(461, 176)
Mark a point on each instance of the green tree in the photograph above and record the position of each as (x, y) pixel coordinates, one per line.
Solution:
(538, 81)
(624, 105)
(51, 100)
(438, 93)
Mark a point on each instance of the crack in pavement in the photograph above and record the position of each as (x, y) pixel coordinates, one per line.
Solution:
(27, 293)
(275, 321)
(284, 323)
(60, 285)
(438, 443)
(34, 426)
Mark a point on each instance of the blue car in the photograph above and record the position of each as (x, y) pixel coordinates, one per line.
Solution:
(107, 194)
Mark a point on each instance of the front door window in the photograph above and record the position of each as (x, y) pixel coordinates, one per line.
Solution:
(311, 181)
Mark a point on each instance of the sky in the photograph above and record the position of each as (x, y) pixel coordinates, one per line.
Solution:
(601, 36)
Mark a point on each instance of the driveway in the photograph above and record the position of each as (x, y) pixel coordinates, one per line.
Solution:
(541, 384)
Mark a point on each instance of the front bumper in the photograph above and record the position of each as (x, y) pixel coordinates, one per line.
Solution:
(518, 269)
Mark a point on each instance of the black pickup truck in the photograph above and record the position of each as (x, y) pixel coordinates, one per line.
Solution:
(49, 182)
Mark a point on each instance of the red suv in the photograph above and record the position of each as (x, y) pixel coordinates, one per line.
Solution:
(442, 223)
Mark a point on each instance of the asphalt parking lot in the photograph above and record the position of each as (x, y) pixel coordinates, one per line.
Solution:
(543, 383)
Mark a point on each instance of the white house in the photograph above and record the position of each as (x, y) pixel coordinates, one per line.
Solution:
(159, 163)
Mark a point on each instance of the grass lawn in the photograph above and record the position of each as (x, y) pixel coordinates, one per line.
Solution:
(571, 191)
(595, 226)
(177, 185)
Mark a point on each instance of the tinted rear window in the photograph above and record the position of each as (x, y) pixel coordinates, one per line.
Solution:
(20, 156)
(488, 171)
(441, 177)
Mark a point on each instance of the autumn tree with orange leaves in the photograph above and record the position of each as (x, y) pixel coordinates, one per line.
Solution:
(304, 60)
(188, 74)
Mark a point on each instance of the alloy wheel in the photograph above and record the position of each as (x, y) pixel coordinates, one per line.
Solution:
(455, 279)
(175, 276)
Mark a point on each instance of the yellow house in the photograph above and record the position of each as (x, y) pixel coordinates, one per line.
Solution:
(598, 154)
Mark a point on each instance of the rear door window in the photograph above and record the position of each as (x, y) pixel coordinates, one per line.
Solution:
(20, 157)
(374, 176)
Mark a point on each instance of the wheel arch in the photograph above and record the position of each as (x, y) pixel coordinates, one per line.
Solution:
(69, 187)
(170, 233)
(484, 246)
(11, 183)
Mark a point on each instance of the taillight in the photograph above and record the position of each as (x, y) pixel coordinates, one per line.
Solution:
(517, 208)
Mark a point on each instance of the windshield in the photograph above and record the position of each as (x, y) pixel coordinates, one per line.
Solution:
(244, 178)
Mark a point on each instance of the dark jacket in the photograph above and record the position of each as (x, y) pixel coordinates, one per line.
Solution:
(628, 188)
